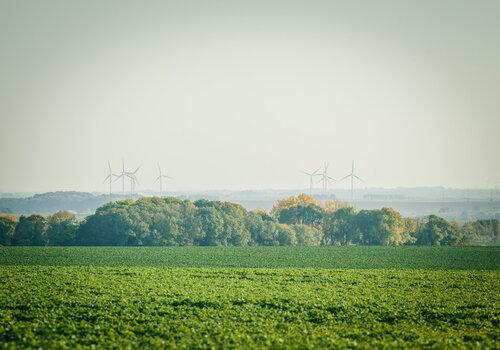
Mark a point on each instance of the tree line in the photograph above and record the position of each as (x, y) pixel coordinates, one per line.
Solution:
(301, 220)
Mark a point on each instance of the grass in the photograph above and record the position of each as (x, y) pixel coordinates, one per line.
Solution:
(352, 297)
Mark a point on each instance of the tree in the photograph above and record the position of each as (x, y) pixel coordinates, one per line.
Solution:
(61, 230)
(438, 231)
(165, 229)
(291, 202)
(381, 227)
(7, 228)
(110, 225)
(285, 235)
(339, 227)
(307, 235)
(296, 220)
(212, 226)
(262, 231)
(411, 227)
(486, 230)
(302, 213)
(190, 225)
(31, 230)
(333, 205)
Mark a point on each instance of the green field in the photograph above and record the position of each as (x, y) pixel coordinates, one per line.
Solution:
(254, 297)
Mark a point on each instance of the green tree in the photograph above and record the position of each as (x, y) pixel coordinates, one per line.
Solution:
(381, 227)
(302, 213)
(262, 231)
(212, 226)
(233, 216)
(339, 227)
(438, 231)
(486, 230)
(190, 225)
(7, 228)
(411, 227)
(61, 230)
(165, 229)
(307, 235)
(31, 230)
(110, 225)
(285, 235)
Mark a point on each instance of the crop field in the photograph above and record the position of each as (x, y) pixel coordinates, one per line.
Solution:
(255, 297)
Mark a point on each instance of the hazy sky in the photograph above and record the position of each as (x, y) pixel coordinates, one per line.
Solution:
(244, 94)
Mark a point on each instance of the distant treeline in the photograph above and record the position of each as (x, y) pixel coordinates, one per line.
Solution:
(51, 202)
(301, 220)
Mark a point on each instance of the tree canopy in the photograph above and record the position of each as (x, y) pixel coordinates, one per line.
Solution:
(301, 220)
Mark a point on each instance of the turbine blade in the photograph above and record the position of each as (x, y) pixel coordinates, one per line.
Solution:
(106, 179)
(357, 177)
(345, 177)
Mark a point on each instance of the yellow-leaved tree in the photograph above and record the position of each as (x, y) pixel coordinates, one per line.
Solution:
(291, 202)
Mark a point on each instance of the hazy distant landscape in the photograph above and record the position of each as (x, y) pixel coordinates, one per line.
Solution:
(249, 174)
(450, 204)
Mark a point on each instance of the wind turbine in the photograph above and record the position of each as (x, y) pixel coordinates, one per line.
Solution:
(325, 178)
(160, 178)
(133, 178)
(122, 176)
(311, 176)
(109, 177)
(129, 174)
(352, 176)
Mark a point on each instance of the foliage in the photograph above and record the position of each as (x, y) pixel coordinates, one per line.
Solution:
(8, 224)
(381, 227)
(329, 257)
(62, 227)
(129, 300)
(30, 230)
(307, 235)
(155, 221)
(292, 201)
(438, 231)
(339, 227)
(483, 230)
(332, 205)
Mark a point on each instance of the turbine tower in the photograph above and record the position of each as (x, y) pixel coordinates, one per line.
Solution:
(352, 176)
(109, 177)
(160, 178)
(325, 179)
(311, 176)
(133, 178)
(129, 174)
(122, 176)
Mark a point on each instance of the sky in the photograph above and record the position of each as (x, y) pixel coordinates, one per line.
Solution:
(242, 95)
